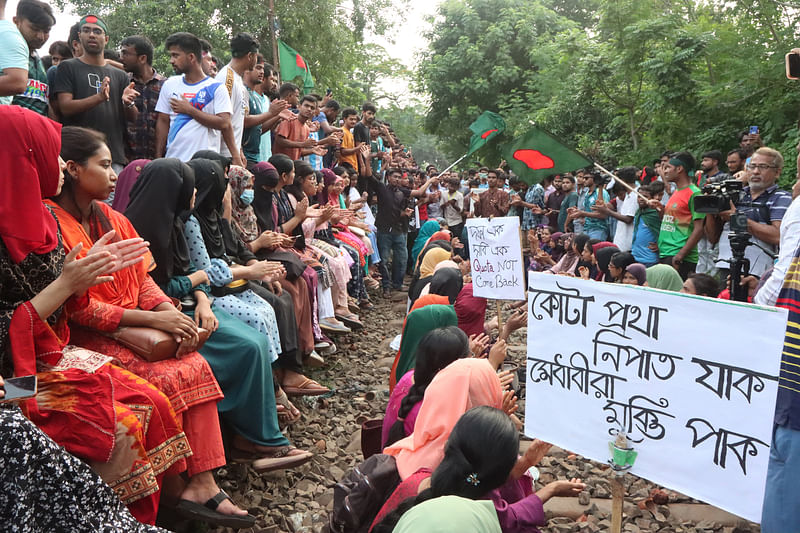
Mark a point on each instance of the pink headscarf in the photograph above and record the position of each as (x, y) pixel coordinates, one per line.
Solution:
(471, 311)
(462, 385)
(125, 182)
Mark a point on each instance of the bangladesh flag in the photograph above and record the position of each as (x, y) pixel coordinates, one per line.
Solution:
(538, 154)
(293, 65)
(486, 127)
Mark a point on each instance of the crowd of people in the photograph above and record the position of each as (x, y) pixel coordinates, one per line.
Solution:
(245, 226)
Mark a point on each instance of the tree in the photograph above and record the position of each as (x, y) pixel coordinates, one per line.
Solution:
(621, 80)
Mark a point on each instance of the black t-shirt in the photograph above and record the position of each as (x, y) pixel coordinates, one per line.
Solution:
(82, 81)
(361, 135)
(391, 203)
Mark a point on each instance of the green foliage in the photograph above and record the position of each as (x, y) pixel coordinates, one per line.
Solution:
(621, 80)
(328, 33)
(407, 122)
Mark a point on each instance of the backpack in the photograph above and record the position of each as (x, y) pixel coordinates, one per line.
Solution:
(358, 497)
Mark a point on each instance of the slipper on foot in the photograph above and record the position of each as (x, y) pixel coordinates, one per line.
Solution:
(350, 320)
(308, 387)
(208, 512)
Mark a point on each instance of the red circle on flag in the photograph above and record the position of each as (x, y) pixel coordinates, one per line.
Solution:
(487, 133)
(534, 159)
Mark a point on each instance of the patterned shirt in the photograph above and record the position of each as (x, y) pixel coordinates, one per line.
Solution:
(142, 132)
(534, 195)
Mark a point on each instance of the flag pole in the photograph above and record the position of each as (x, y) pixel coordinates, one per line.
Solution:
(631, 189)
(459, 160)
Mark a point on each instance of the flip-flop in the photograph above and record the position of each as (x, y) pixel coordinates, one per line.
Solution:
(315, 389)
(291, 414)
(281, 458)
(208, 512)
(350, 320)
(366, 304)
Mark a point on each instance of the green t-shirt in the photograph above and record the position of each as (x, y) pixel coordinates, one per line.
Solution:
(570, 201)
(678, 222)
(591, 199)
(35, 95)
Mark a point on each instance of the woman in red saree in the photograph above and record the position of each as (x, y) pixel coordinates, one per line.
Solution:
(117, 422)
(132, 298)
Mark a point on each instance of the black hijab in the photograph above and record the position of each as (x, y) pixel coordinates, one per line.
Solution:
(159, 205)
(264, 175)
(211, 185)
(214, 156)
(447, 282)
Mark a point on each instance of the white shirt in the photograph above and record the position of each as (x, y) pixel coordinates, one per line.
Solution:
(240, 101)
(186, 135)
(623, 237)
(790, 240)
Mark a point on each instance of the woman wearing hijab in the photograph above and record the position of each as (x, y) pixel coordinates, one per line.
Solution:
(92, 412)
(462, 385)
(437, 252)
(603, 251)
(471, 311)
(446, 281)
(437, 349)
(428, 228)
(241, 183)
(132, 298)
(480, 464)
(304, 188)
(267, 244)
(635, 274)
(418, 323)
(339, 232)
(125, 182)
(664, 277)
(207, 251)
(239, 356)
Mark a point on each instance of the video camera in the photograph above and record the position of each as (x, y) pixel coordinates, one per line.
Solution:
(717, 197)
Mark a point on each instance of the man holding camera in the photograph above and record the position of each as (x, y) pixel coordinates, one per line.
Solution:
(764, 204)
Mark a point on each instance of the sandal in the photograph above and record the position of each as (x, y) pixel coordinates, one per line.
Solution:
(290, 414)
(366, 304)
(350, 320)
(208, 512)
(278, 458)
(308, 387)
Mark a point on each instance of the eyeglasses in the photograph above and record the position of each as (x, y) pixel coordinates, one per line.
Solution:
(96, 31)
(761, 166)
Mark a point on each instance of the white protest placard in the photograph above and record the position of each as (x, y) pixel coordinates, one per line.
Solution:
(496, 258)
(692, 381)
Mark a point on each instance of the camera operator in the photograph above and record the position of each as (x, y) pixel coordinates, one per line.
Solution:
(764, 205)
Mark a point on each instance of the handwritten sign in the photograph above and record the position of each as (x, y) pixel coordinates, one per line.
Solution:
(691, 380)
(496, 256)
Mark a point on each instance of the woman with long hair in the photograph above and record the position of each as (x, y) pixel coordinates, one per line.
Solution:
(436, 350)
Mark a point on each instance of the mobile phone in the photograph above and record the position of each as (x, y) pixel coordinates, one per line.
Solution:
(19, 388)
(753, 130)
(793, 66)
(329, 91)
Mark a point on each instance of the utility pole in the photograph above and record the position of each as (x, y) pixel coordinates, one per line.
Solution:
(275, 59)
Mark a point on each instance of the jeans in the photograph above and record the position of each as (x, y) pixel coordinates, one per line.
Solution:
(596, 233)
(392, 245)
(781, 511)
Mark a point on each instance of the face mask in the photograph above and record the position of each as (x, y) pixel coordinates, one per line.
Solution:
(247, 196)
